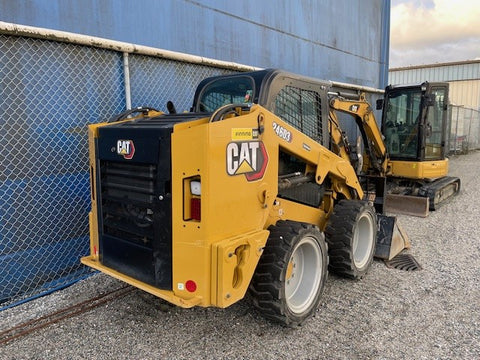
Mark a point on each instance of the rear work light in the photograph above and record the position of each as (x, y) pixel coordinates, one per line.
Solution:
(196, 188)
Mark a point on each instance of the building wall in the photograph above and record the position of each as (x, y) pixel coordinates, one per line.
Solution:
(464, 79)
(341, 40)
(464, 96)
(466, 93)
(455, 71)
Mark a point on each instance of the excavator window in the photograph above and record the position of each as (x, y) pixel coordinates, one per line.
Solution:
(401, 123)
(434, 125)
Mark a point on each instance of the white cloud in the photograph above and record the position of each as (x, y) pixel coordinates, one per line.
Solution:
(433, 31)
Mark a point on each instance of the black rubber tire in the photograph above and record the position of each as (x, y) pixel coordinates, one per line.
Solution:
(340, 233)
(271, 294)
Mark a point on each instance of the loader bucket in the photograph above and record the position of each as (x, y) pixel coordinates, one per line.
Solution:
(391, 239)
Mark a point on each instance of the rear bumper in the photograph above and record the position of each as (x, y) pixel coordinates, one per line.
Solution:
(231, 265)
(93, 262)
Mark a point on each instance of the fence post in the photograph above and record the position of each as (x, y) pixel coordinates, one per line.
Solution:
(456, 134)
(126, 79)
(469, 131)
(477, 135)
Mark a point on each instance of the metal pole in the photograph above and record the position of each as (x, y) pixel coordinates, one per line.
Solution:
(469, 129)
(126, 79)
(477, 133)
(456, 133)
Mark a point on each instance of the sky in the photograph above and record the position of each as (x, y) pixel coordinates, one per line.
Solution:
(434, 31)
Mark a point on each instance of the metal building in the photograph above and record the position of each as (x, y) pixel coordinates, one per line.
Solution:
(463, 77)
(340, 40)
(53, 83)
(464, 96)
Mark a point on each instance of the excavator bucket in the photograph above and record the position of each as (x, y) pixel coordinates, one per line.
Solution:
(391, 239)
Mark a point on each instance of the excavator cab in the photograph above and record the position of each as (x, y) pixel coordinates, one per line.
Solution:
(414, 121)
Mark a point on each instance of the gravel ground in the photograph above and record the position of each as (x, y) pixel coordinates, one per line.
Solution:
(390, 314)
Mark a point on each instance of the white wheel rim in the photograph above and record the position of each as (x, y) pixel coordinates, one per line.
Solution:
(303, 275)
(363, 241)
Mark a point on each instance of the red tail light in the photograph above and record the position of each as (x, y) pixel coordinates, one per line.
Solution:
(191, 286)
(195, 207)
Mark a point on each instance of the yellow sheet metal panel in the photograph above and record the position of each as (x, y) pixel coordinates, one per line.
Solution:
(419, 170)
(236, 179)
(288, 210)
(190, 246)
(242, 176)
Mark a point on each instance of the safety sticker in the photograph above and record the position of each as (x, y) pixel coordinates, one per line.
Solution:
(244, 134)
(282, 132)
(125, 148)
(249, 158)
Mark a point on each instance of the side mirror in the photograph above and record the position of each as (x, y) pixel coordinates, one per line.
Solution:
(379, 104)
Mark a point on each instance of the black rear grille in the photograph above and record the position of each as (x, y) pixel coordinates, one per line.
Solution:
(134, 201)
(128, 192)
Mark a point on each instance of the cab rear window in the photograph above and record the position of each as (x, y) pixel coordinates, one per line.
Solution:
(233, 90)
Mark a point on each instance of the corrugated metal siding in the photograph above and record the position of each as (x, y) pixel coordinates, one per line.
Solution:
(466, 93)
(464, 79)
(469, 70)
(341, 40)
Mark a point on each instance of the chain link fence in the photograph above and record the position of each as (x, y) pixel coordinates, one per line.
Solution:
(464, 125)
(49, 92)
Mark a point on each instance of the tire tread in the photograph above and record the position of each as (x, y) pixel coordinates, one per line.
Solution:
(267, 283)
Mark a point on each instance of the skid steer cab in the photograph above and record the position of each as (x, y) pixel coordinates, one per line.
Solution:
(240, 194)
